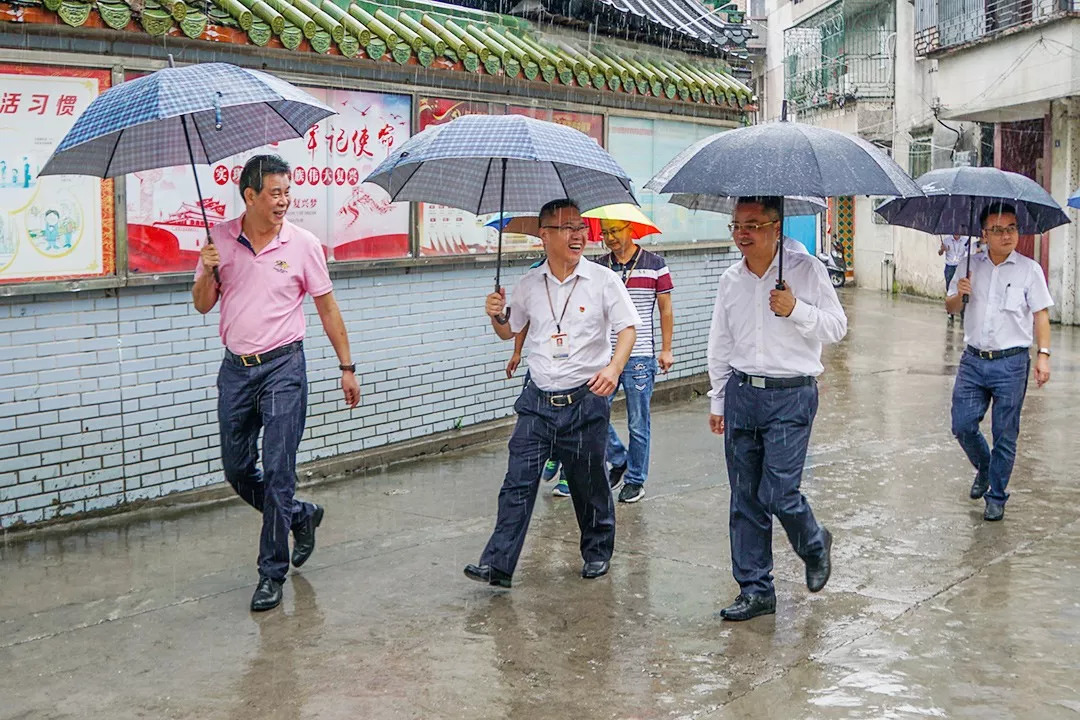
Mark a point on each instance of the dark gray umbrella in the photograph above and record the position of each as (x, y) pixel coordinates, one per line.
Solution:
(783, 159)
(502, 163)
(954, 198)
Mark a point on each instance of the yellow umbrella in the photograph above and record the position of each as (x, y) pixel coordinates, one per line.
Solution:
(640, 224)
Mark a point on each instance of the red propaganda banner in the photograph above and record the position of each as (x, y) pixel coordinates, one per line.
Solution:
(354, 221)
(588, 123)
(56, 227)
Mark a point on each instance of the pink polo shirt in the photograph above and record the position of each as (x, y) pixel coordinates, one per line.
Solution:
(262, 296)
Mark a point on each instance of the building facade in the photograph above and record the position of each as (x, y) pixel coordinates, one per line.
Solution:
(107, 373)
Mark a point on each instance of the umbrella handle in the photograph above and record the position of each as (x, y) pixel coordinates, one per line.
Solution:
(968, 274)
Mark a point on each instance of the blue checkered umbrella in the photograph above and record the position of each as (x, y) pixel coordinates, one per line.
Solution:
(197, 114)
(502, 163)
(194, 114)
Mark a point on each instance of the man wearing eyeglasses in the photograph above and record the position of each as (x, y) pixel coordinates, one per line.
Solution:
(764, 357)
(570, 304)
(1008, 309)
(648, 281)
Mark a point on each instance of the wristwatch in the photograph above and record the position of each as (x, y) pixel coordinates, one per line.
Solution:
(347, 368)
(1044, 351)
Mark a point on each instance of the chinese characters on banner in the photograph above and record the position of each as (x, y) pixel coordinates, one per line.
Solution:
(59, 226)
(450, 231)
(353, 220)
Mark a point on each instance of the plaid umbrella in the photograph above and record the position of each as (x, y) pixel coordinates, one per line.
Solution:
(149, 122)
(502, 163)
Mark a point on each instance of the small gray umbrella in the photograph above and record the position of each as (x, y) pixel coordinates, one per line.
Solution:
(502, 163)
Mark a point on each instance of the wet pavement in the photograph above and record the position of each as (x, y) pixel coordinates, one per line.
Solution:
(931, 612)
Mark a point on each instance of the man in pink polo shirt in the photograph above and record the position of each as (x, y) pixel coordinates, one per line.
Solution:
(266, 266)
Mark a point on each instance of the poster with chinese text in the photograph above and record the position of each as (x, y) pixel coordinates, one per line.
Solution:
(55, 227)
(353, 220)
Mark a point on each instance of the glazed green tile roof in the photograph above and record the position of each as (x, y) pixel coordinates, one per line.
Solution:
(430, 34)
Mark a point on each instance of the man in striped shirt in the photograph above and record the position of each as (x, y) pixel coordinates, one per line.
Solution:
(647, 279)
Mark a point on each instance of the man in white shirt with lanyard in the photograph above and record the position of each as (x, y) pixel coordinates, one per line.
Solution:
(570, 304)
(1008, 308)
(764, 357)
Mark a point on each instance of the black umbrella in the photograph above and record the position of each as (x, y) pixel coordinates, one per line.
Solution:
(954, 199)
(783, 159)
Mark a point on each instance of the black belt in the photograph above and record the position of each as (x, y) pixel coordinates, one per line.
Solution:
(767, 382)
(563, 398)
(995, 354)
(260, 358)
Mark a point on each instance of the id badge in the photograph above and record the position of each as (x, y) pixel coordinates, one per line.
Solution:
(560, 346)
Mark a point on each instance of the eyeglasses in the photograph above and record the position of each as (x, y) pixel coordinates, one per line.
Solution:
(611, 232)
(566, 228)
(1000, 230)
(749, 227)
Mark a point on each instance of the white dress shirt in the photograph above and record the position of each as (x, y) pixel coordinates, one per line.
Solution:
(747, 336)
(1004, 299)
(596, 303)
(793, 245)
(956, 248)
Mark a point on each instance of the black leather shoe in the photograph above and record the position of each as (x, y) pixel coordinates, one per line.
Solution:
(615, 476)
(817, 572)
(267, 596)
(487, 574)
(595, 569)
(993, 512)
(749, 606)
(980, 486)
(304, 538)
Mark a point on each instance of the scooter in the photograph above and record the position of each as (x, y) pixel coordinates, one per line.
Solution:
(834, 264)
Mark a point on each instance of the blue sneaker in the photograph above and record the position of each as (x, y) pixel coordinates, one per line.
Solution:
(551, 468)
(561, 489)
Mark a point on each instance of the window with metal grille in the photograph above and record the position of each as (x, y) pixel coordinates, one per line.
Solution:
(920, 154)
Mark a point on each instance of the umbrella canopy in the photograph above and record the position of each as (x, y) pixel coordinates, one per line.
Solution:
(640, 224)
(520, 223)
(140, 124)
(502, 163)
(783, 158)
(1074, 199)
(792, 205)
(460, 164)
(955, 197)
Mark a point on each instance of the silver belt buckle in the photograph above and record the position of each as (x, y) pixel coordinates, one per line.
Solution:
(561, 401)
(758, 382)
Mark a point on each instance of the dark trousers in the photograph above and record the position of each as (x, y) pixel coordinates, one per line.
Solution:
(978, 381)
(576, 436)
(766, 432)
(271, 397)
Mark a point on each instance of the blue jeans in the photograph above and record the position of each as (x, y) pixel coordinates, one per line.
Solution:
(950, 270)
(573, 435)
(979, 381)
(637, 381)
(271, 397)
(765, 438)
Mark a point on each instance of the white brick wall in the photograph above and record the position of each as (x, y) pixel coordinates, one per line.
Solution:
(108, 397)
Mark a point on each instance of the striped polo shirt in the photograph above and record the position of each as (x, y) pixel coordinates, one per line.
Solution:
(646, 276)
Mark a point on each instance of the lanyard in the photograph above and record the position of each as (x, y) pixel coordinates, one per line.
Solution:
(628, 268)
(558, 321)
